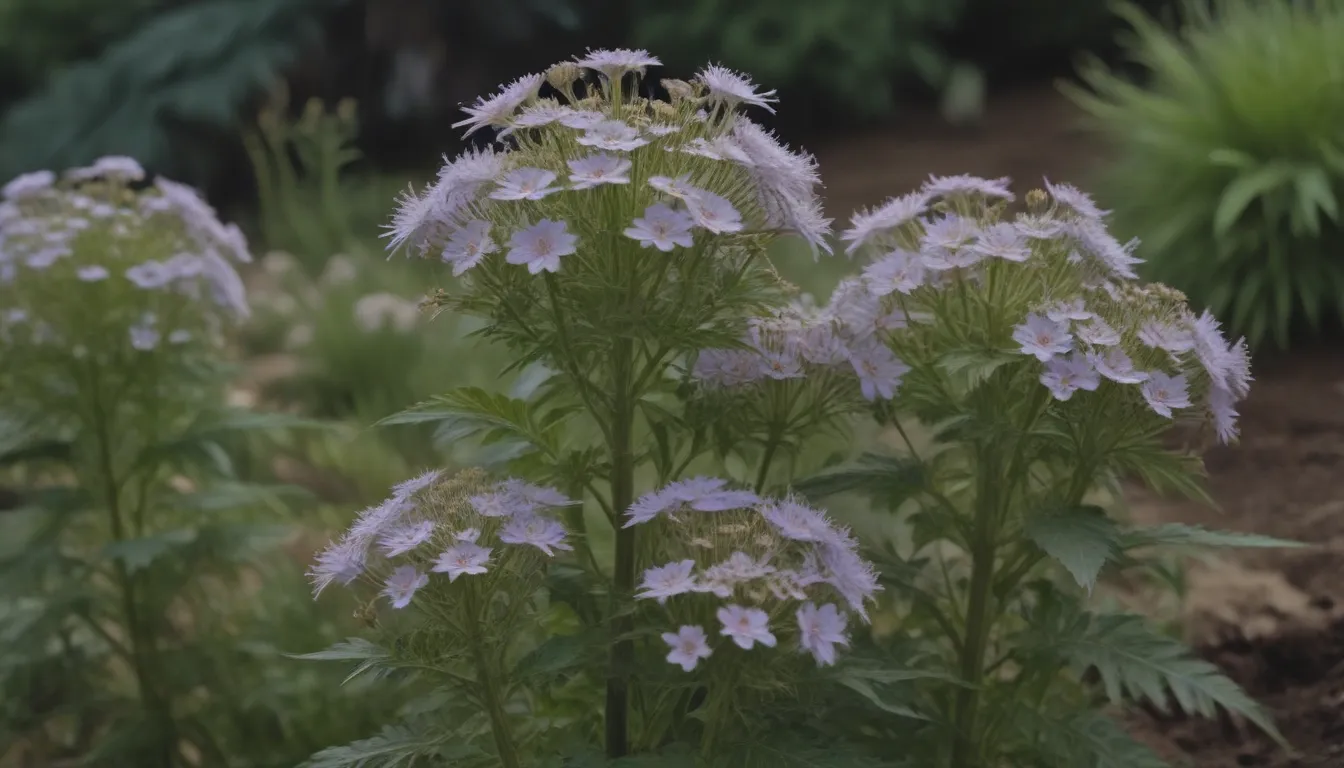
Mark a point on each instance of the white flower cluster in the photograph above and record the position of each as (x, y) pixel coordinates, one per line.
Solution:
(774, 565)
(436, 524)
(675, 175)
(156, 260)
(1084, 316)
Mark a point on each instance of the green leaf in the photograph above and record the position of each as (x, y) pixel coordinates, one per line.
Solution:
(1133, 660)
(469, 411)
(140, 553)
(1181, 535)
(398, 746)
(1082, 540)
(1089, 740)
(222, 496)
(369, 655)
(1244, 189)
(775, 749)
(557, 654)
(890, 479)
(862, 686)
(967, 370)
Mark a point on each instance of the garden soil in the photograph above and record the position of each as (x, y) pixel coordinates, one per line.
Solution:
(1272, 619)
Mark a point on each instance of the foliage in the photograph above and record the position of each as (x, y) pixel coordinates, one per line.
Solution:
(854, 54)
(38, 37)
(188, 70)
(1230, 159)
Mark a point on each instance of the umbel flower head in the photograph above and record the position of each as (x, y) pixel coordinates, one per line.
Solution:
(95, 269)
(603, 193)
(751, 572)
(1049, 289)
(437, 534)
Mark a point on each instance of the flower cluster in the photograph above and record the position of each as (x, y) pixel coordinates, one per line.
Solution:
(771, 568)
(798, 342)
(1060, 282)
(593, 163)
(440, 527)
(92, 265)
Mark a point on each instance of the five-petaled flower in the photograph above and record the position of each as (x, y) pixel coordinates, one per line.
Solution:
(689, 646)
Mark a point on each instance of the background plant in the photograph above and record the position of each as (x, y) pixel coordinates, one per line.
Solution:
(1230, 157)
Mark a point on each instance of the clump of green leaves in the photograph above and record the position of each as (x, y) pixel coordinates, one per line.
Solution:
(1230, 161)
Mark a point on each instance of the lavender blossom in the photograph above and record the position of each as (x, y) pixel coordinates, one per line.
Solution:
(402, 585)
(895, 212)
(498, 109)
(613, 136)
(468, 245)
(731, 88)
(898, 271)
(663, 228)
(1064, 376)
(689, 645)
(662, 582)
(820, 630)
(598, 169)
(745, 626)
(525, 184)
(1043, 338)
(541, 245)
(403, 539)
(714, 212)
(465, 558)
(1165, 393)
(541, 532)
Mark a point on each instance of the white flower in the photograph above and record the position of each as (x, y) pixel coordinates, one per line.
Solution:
(1223, 413)
(1042, 337)
(820, 630)
(798, 521)
(689, 646)
(664, 581)
(878, 369)
(1166, 336)
(663, 228)
(899, 270)
(785, 182)
(581, 119)
(615, 63)
(500, 108)
(746, 626)
(1065, 375)
(1068, 310)
(598, 169)
(1070, 196)
(541, 245)
(92, 273)
(541, 532)
(612, 135)
(464, 559)
(1098, 333)
(895, 212)
(525, 184)
(1165, 393)
(179, 336)
(963, 184)
(680, 187)
(468, 245)
(714, 212)
(1002, 241)
(402, 585)
(538, 115)
(1116, 366)
(403, 539)
(28, 185)
(730, 89)
(112, 166)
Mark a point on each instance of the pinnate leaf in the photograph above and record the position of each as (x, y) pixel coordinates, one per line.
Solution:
(1182, 535)
(1081, 539)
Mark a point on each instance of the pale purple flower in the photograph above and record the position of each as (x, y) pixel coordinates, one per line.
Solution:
(541, 245)
(538, 115)
(895, 212)
(411, 486)
(720, 501)
(403, 539)
(340, 562)
(525, 184)
(1116, 366)
(946, 243)
(495, 505)
(613, 136)
(144, 335)
(727, 367)
(784, 181)
(722, 579)
(600, 168)
(1061, 311)
(28, 185)
(1165, 393)
(527, 497)
(46, 257)
(1042, 337)
(798, 521)
(730, 88)
(1098, 333)
(663, 228)
(150, 275)
(111, 166)
(402, 585)
(1002, 241)
(501, 107)
(963, 184)
(1228, 366)
(850, 575)
(1038, 227)
(541, 532)
(1167, 336)
(819, 344)
(899, 270)
(1065, 375)
(180, 336)
(1115, 258)
(465, 558)
(689, 645)
(702, 148)
(820, 630)
(1073, 198)
(679, 187)
(662, 129)
(714, 212)
(372, 522)
(469, 535)
(878, 369)
(615, 63)
(745, 626)
(780, 364)
(457, 189)
(1223, 413)
(664, 581)
(581, 119)
(468, 245)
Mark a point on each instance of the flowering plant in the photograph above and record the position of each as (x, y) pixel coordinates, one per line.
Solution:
(133, 533)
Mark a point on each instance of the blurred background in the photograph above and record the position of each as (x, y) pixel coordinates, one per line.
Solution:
(1215, 132)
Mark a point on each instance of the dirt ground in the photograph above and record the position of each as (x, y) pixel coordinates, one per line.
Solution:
(1272, 619)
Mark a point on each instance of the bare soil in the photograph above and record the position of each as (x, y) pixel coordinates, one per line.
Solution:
(1272, 619)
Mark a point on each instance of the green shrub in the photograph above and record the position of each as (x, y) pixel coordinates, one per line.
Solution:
(1230, 160)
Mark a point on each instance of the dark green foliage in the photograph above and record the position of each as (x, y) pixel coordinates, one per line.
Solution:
(1230, 160)
(187, 69)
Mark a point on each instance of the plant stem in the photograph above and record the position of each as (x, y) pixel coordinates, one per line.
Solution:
(771, 445)
(623, 574)
(966, 748)
(490, 692)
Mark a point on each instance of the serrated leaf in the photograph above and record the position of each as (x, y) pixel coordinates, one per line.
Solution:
(1133, 660)
(1182, 535)
(890, 479)
(1089, 740)
(396, 746)
(967, 370)
(475, 411)
(1082, 540)
(555, 655)
(774, 749)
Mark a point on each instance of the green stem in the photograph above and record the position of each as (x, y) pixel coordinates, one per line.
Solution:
(771, 445)
(623, 574)
(492, 696)
(966, 749)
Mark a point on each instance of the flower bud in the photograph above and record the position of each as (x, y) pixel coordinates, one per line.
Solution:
(562, 76)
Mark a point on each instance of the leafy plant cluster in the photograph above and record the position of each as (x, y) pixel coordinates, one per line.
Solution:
(1230, 158)
(146, 596)
(656, 584)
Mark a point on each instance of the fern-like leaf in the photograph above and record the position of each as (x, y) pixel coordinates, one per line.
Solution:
(398, 746)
